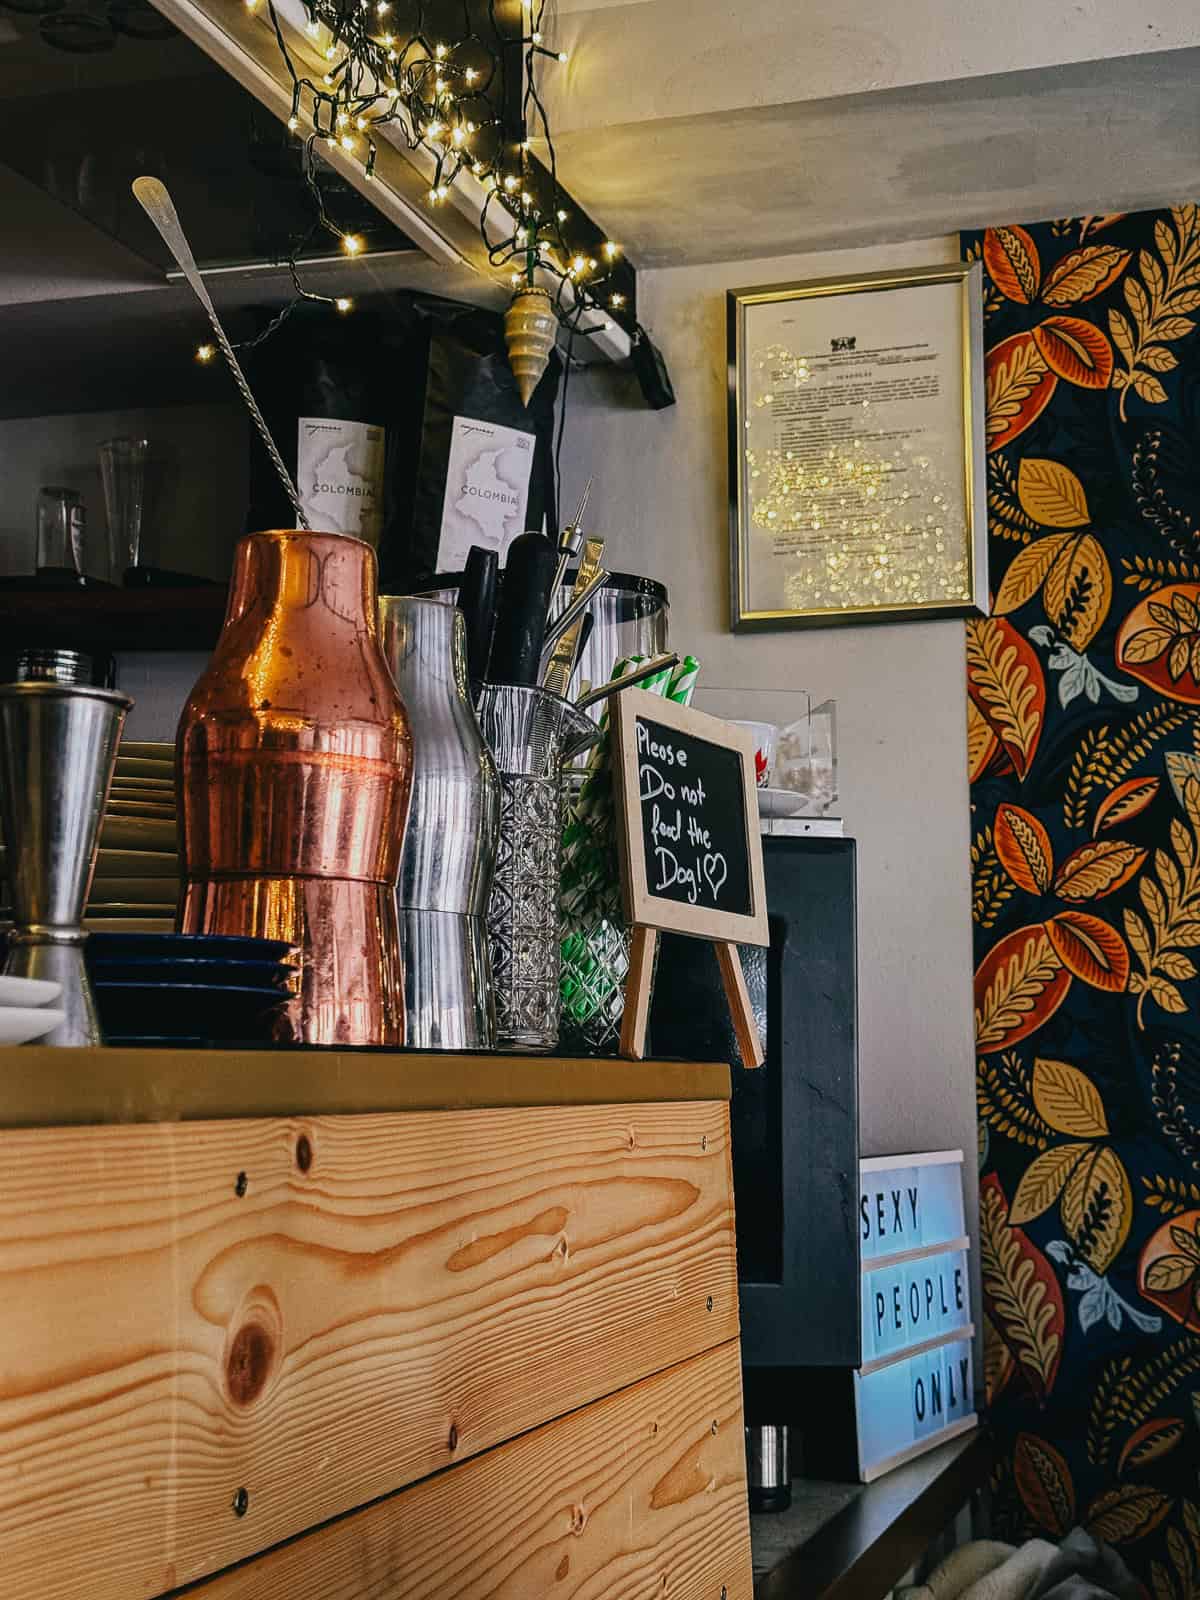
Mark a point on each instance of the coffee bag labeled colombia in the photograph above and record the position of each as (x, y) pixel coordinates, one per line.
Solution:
(404, 427)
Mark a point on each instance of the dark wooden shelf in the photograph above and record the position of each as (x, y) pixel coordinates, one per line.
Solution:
(867, 1546)
(108, 620)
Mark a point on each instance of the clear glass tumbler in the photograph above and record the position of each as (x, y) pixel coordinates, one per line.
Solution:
(61, 524)
(123, 469)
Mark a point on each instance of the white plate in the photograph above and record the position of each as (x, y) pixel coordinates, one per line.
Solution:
(28, 991)
(782, 803)
(19, 1024)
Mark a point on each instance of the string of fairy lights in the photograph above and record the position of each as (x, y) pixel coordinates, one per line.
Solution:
(388, 66)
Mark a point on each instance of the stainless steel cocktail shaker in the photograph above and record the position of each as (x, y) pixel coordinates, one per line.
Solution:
(450, 845)
(58, 747)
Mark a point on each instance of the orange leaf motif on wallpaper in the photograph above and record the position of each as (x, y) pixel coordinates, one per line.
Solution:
(981, 741)
(1090, 949)
(1157, 308)
(1159, 642)
(1021, 1292)
(1076, 350)
(1044, 1179)
(1004, 678)
(1131, 1512)
(1043, 1481)
(1023, 846)
(1169, 1266)
(1011, 259)
(1095, 224)
(1051, 493)
(1127, 800)
(1018, 384)
(1097, 1207)
(1068, 1100)
(1079, 591)
(1084, 273)
(1018, 985)
(1098, 869)
(998, 1363)
(1027, 571)
(1150, 1442)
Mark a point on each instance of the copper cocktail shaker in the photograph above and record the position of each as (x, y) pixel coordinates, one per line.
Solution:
(294, 762)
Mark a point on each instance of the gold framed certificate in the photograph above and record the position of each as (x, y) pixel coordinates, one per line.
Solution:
(856, 449)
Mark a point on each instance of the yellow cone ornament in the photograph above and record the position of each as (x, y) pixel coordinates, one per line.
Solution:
(530, 329)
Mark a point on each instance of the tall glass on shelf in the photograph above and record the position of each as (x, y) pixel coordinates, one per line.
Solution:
(123, 470)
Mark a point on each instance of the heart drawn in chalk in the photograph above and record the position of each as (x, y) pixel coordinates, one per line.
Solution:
(716, 871)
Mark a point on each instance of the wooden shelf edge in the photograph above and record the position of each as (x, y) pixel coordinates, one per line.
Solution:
(115, 620)
(45, 1087)
(867, 1547)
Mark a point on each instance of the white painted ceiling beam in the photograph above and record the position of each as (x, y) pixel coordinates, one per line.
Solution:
(647, 61)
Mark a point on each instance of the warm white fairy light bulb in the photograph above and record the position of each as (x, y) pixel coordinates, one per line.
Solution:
(205, 352)
(344, 304)
(352, 244)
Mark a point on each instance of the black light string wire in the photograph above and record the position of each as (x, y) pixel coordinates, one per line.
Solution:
(443, 98)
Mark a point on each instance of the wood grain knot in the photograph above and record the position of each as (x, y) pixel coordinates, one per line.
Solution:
(248, 1365)
(303, 1153)
(563, 1567)
(579, 1519)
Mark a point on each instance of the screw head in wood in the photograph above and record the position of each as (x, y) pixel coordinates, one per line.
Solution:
(714, 1426)
(241, 1503)
(241, 1184)
(303, 1152)
(704, 1141)
(708, 1303)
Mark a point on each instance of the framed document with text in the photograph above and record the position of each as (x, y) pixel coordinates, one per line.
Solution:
(856, 449)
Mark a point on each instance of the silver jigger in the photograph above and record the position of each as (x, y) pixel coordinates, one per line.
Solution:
(58, 747)
(450, 841)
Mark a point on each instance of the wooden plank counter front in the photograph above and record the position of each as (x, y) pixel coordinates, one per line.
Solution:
(222, 1331)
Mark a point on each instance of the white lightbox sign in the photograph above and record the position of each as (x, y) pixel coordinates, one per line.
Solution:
(909, 1203)
(908, 1303)
(911, 1404)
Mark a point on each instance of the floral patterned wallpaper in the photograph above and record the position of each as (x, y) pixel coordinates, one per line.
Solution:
(1084, 741)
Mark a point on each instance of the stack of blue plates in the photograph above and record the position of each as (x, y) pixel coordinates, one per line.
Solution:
(190, 988)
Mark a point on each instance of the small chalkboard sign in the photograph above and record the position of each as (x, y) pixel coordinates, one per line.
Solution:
(691, 853)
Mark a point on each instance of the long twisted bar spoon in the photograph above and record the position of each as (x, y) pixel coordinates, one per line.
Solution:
(156, 202)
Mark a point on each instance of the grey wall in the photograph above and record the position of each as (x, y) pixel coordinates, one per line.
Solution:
(198, 482)
(660, 500)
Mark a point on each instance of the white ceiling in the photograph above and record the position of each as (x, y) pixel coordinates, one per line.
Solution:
(704, 130)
